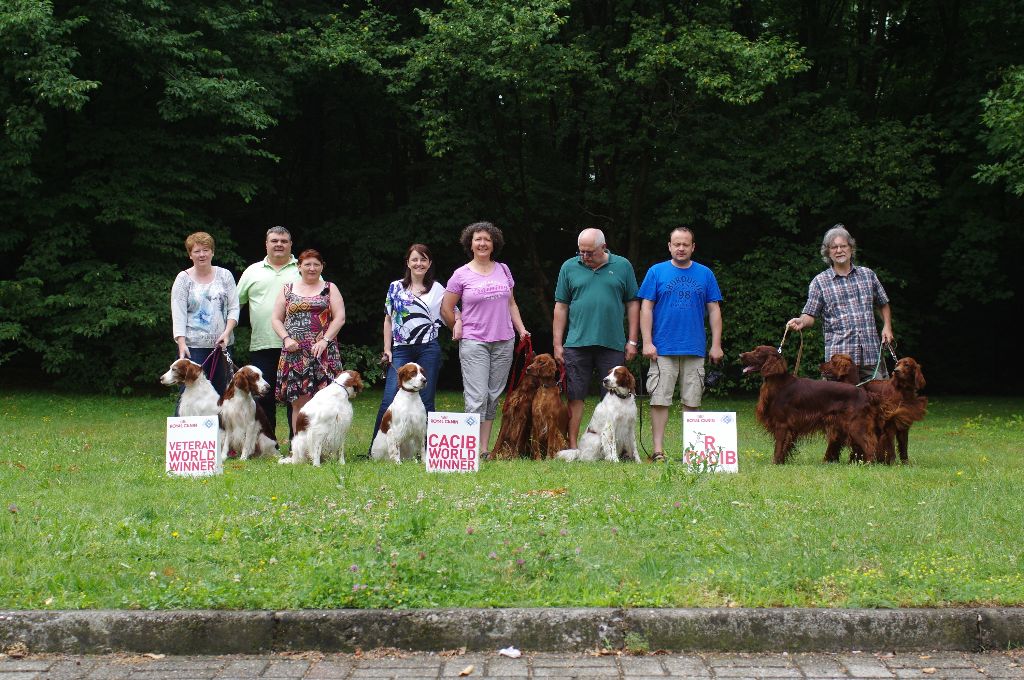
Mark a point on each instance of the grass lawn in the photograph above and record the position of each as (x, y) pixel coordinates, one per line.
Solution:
(88, 519)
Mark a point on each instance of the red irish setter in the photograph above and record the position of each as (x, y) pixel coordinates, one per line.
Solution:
(549, 427)
(516, 420)
(897, 397)
(791, 407)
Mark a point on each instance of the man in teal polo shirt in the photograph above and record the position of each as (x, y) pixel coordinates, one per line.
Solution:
(594, 290)
(259, 286)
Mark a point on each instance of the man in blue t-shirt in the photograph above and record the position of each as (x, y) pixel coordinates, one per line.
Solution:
(674, 298)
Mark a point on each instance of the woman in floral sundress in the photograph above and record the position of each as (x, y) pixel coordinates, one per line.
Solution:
(308, 315)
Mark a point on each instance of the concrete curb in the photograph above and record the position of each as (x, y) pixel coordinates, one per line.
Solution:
(549, 630)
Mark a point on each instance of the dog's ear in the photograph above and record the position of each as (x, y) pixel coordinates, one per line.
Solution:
(773, 364)
(192, 372)
(918, 376)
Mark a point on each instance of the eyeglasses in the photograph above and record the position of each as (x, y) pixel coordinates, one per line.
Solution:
(842, 247)
(588, 253)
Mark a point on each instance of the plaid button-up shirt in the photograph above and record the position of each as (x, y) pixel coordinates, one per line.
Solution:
(845, 306)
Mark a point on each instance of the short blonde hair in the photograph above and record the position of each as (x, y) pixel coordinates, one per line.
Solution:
(200, 238)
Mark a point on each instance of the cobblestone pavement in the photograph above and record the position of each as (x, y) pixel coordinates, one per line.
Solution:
(415, 666)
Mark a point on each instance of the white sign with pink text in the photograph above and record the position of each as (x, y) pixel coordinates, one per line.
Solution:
(192, 445)
(709, 441)
(453, 442)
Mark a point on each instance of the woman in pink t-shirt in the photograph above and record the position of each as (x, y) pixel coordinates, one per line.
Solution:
(490, 318)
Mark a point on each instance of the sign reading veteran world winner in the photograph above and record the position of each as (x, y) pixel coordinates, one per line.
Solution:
(192, 444)
(453, 442)
(709, 440)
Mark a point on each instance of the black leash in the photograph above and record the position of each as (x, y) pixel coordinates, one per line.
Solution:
(641, 395)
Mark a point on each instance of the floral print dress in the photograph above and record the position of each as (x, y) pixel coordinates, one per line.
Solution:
(306, 319)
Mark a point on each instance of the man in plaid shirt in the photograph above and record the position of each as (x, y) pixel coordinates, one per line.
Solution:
(844, 296)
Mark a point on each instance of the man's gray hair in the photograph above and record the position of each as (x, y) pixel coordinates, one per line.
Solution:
(837, 231)
(279, 230)
(598, 236)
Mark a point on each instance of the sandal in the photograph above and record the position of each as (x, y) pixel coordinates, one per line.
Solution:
(658, 457)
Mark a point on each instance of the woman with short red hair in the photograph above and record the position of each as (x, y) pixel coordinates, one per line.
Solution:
(308, 315)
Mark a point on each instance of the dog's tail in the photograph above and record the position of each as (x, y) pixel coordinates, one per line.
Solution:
(569, 455)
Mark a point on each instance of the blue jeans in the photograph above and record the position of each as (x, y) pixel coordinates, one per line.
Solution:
(219, 376)
(427, 355)
(266, 360)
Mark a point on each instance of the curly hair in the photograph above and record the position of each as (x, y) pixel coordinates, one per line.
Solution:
(497, 238)
(837, 231)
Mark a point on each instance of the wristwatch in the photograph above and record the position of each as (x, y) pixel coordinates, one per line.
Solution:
(633, 342)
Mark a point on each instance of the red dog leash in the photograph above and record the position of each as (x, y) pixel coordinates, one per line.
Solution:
(521, 358)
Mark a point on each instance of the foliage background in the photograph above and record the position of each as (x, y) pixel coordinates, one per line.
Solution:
(367, 125)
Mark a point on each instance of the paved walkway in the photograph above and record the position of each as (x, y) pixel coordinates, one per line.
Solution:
(418, 666)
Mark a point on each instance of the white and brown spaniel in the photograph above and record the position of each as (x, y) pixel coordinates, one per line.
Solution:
(246, 427)
(611, 434)
(403, 430)
(324, 420)
(199, 398)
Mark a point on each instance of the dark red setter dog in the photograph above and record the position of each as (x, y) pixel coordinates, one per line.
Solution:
(897, 398)
(791, 407)
(516, 419)
(549, 427)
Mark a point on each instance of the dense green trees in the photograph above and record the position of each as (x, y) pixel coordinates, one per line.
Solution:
(363, 127)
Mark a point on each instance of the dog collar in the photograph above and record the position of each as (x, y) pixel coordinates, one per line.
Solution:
(627, 395)
(405, 389)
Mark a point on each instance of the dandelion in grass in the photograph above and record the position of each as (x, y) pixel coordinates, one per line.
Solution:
(174, 534)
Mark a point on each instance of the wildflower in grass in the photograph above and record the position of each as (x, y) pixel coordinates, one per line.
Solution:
(469, 530)
(579, 550)
(563, 532)
(677, 505)
(354, 568)
(520, 562)
(615, 531)
(273, 498)
(422, 555)
(174, 534)
(492, 555)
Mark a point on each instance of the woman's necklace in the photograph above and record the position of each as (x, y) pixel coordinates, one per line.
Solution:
(482, 268)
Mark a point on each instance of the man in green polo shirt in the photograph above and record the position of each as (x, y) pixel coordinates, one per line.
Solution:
(594, 290)
(259, 286)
